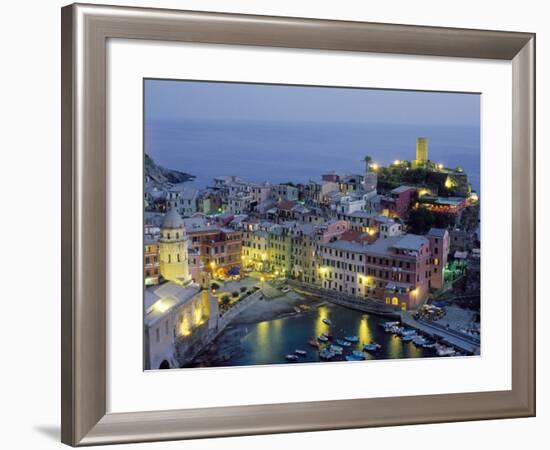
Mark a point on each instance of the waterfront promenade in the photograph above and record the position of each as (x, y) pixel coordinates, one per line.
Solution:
(364, 304)
(451, 337)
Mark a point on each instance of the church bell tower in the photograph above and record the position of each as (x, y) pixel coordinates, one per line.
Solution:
(174, 260)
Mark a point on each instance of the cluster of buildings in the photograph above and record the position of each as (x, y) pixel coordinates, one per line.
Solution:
(338, 233)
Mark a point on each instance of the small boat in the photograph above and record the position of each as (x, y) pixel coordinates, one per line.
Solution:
(372, 347)
(343, 343)
(326, 354)
(419, 341)
(428, 344)
(297, 309)
(322, 338)
(328, 336)
(356, 355)
(300, 352)
(336, 349)
(291, 358)
(351, 338)
(408, 337)
(407, 331)
(389, 324)
(442, 350)
(327, 321)
(313, 343)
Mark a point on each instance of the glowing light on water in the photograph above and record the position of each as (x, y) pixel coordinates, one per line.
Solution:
(320, 326)
(263, 334)
(364, 332)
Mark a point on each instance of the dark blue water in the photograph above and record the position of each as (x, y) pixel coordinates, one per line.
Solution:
(280, 151)
(268, 342)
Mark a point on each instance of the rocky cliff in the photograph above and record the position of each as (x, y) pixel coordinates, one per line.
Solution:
(160, 176)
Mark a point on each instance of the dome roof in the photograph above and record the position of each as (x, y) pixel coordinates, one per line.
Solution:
(172, 219)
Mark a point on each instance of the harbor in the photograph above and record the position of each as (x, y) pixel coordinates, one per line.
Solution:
(308, 330)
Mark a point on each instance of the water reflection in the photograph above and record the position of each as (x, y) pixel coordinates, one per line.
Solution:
(364, 332)
(320, 326)
(268, 342)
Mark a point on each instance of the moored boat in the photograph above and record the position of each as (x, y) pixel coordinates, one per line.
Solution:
(313, 343)
(328, 336)
(326, 354)
(419, 341)
(351, 338)
(327, 321)
(322, 338)
(336, 349)
(443, 350)
(356, 355)
(408, 337)
(372, 347)
(300, 352)
(343, 343)
(291, 358)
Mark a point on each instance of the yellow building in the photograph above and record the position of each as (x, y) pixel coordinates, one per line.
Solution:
(421, 152)
(255, 249)
(174, 263)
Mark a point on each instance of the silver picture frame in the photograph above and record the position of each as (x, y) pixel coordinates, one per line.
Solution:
(85, 31)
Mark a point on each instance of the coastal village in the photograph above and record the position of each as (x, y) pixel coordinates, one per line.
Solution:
(398, 241)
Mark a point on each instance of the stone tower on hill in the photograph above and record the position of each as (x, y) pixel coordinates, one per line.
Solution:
(421, 153)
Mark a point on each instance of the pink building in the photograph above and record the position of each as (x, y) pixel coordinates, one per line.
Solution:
(395, 270)
(439, 248)
(334, 229)
(196, 265)
(398, 201)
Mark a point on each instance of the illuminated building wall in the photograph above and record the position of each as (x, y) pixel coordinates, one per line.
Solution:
(174, 264)
(439, 248)
(395, 276)
(255, 249)
(151, 263)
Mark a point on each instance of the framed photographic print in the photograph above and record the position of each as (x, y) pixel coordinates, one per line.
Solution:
(281, 224)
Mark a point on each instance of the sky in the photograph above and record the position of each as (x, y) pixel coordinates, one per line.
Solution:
(181, 100)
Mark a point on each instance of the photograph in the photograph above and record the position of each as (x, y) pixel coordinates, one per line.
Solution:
(304, 224)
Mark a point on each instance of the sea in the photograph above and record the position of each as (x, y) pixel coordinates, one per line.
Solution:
(298, 151)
